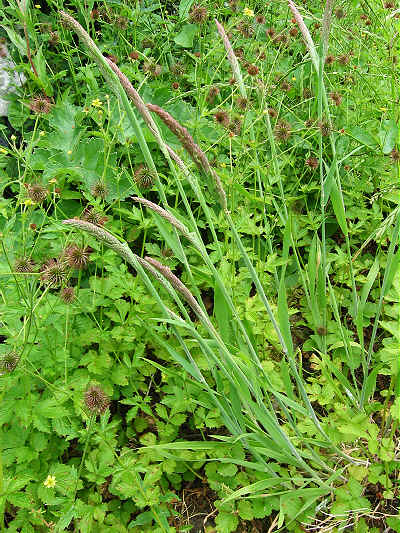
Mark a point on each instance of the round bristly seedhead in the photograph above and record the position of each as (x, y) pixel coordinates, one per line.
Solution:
(282, 130)
(54, 273)
(93, 216)
(242, 103)
(77, 257)
(324, 128)
(144, 177)
(36, 192)
(336, 98)
(67, 295)
(252, 70)
(329, 60)
(222, 118)
(40, 105)
(198, 14)
(96, 400)
(312, 162)
(24, 265)
(99, 190)
(8, 362)
(395, 155)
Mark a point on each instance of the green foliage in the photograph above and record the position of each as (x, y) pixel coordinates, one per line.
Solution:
(276, 400)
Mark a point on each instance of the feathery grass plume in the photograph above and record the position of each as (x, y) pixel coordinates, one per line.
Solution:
(102, 63)
(164, 214)
(137, 100)
(103, 235)
(326, 23)
(230, 53)
(195, 152)
(306, 34)
(177, 284)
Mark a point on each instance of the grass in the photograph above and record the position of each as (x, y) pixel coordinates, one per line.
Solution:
(236, 314)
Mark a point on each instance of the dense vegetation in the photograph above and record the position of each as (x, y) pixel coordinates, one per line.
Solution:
(199, 267)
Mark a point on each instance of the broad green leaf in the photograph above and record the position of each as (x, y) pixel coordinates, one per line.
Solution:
(184, 7)
(186, 35)
(16, 39)
(388, 135)
(338, 207)
(364, 137)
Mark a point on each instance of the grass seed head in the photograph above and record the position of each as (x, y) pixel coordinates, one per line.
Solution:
(324, 128)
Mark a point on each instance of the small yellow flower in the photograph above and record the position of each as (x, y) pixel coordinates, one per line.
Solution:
(38, 6)
(293, 78)
(13, 138)
(248, 12)
(41, 133)
(28, 202)
(50, 482)
(96, 103)
(223, 165)
(69, 152)
(100, 112)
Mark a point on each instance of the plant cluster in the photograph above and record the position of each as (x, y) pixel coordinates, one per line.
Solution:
(199, 265)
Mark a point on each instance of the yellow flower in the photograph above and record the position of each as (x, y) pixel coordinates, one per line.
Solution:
(248, 12)
(28, 201)
(223, 165)
(38, 6)
(293, 78)
(13, 138)
(69, 152)
(96, 103)
(50, 482)
(41, 133)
